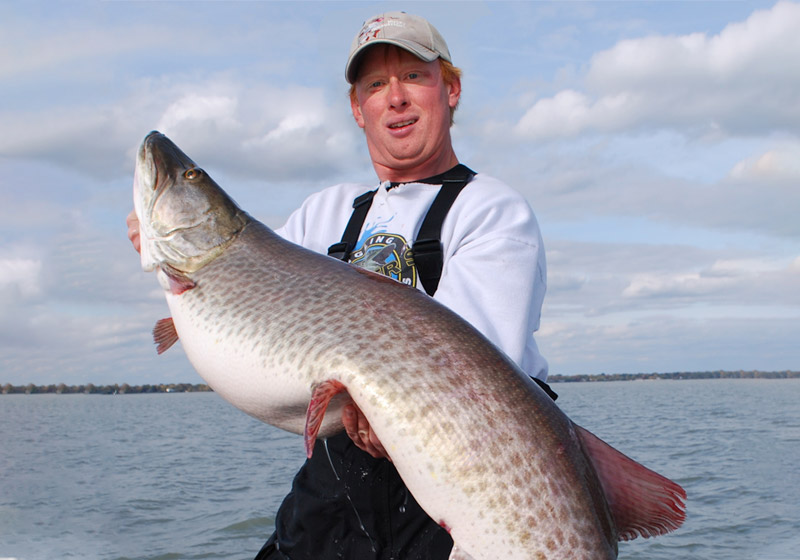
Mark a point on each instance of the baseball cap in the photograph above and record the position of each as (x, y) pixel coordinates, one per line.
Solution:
(407, 31)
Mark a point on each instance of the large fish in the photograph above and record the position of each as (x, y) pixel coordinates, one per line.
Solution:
(282, 333)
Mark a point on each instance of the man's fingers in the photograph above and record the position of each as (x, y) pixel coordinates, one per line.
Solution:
(350, 421)
(358, 429)
(133, 231)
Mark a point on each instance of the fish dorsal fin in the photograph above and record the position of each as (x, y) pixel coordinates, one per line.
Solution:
(321, 396)
(164, 334)
(642, 502)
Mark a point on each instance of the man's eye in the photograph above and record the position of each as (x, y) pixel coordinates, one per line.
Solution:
(375, 84)
(413, 76)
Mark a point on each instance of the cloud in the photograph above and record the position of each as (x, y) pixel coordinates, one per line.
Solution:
(195, 108)
(279, 133)
(664, 343)
(78, 308)
(83, 87)
(781, 164)
(595, 280)
(643, 307)
(742, 81)
(20, 277)
(290, 132)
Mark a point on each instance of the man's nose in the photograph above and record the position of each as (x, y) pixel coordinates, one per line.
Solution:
(397, 93)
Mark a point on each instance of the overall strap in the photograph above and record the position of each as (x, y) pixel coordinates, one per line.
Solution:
(361, 206)
(427, 249)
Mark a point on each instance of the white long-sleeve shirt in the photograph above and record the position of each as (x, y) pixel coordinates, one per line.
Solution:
(494, 272)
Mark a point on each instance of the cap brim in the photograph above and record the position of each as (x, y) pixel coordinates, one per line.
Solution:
(423, 53)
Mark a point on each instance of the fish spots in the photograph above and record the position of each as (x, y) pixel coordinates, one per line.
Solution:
(447, 427)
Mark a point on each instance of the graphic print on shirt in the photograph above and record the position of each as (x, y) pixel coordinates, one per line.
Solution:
(385, 253)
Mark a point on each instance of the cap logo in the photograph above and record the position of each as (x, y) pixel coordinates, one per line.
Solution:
(372, 28)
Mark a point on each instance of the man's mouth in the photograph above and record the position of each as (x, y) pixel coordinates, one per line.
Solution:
(403, 124)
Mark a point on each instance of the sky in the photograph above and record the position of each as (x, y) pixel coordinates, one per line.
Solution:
(657, 142)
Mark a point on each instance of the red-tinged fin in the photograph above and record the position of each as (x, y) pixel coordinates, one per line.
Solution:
(164, 334)
(320, 399)
(643, 502)
(178, 282)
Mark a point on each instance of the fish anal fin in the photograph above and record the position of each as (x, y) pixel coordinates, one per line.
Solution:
(642, 502)
(321, 396)
(164, 334)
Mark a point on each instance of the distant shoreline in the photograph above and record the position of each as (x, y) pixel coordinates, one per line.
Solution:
(123, 389)
(92, 389)
(675, 376)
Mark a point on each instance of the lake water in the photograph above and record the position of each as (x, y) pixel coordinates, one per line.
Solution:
(187, 476)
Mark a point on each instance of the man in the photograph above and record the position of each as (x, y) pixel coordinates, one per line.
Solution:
(348, 501)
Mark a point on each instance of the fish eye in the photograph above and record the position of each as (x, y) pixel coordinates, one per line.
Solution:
(193, 173)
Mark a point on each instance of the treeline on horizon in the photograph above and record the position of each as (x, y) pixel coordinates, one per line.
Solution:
(678, 375)
(123, 389)
(92, 389)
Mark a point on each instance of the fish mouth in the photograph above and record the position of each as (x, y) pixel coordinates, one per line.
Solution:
(146, 173)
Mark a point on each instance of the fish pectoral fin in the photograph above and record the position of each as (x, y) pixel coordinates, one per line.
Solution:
(642, 502)
(164, 334)
(321, 396)
(458, 554)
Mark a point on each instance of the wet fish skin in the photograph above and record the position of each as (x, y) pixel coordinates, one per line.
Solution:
(271, 327)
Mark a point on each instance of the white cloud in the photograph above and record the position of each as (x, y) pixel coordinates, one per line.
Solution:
(665, 343)
(681, 285)
(197, 108)
(20, 277)
(779, 164)
(742, 81)
(248, 130)
(605, 280)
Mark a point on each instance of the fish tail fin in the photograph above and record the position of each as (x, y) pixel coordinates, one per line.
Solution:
(321, 396)
(164, 334)
(642, 502)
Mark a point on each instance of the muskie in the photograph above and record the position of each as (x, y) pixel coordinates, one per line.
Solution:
(282, 332)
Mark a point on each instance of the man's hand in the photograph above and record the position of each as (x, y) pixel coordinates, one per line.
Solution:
(359, 430)
(133, 231)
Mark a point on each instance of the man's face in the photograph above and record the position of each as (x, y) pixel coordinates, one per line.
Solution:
(403, 105)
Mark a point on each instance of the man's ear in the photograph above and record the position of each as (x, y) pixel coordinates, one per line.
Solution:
(356, 108)
(455, 93)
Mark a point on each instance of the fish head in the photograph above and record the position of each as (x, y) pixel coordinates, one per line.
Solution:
(185, 219)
